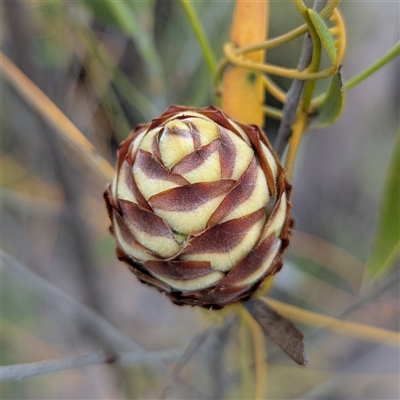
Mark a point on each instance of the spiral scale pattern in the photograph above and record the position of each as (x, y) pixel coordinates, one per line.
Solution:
(199, 207)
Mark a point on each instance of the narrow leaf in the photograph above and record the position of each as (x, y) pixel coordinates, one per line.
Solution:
(329, 260)
(387, 241)
(324, 34)
(281, 330)
(200, 34)
(43, 105)
(243, 92)
(329, 107)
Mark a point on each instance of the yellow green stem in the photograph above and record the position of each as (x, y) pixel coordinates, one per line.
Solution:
(313, 67)
(287, 37)
(273, 112)
(301, 7)
(259, 354)
(238, 61)
(298, 129)
(233, 56)
(273, 88)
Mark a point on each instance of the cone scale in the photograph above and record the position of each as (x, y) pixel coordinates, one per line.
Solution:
(200, 207)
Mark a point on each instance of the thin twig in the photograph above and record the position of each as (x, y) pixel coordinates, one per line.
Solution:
(294, 93)
(194, 345)
(132, 352)
(23, 371)
(216, 363)
(111, 335)
(355, 80)
(131, 358)
(27, 370)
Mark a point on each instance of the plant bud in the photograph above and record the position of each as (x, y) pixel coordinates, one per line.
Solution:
(199, 207)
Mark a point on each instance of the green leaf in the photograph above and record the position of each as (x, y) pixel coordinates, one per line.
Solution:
(327, 108)
(387, 241)
(337, 280)
(324, 34)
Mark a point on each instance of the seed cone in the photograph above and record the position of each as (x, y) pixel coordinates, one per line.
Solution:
(199, 207)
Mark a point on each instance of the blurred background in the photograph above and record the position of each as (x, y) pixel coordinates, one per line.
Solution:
(111, 65)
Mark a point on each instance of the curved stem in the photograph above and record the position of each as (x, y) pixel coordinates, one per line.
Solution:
(340, 31)
(273, 88)
(235, 59)
(275, 42)
(287, 37)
